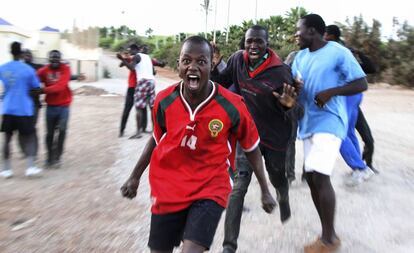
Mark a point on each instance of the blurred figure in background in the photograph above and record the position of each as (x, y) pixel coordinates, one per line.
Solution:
(132, 83)
(350, 149)
(56, 76)
(19, 80)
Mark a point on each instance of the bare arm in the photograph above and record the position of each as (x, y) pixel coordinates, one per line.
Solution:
(225, 76)
(130, 65)
(129, 189)
(352, 88)
(255, 159)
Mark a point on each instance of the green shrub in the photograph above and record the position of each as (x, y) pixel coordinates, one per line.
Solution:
(106, 42)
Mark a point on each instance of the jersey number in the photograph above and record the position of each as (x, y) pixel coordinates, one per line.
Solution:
(189, 142)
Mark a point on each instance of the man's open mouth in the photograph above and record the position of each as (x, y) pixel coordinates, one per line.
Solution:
(193, 81)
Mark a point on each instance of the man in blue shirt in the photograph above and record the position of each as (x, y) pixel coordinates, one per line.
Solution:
(19, 79)
(329, 72)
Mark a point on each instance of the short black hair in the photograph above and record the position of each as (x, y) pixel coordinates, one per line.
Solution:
(55, 51)
(16, 48)
(315, 21)
(199, 40)
(134, 46)
(260, 28)
(333, 30)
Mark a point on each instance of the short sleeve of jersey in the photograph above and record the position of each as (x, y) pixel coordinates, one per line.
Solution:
(246, 133)
(349, 66)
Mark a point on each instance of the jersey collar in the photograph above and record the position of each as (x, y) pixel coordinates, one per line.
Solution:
(198, 108)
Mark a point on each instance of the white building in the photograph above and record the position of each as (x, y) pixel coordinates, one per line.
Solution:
(82, 53)
(8, 34)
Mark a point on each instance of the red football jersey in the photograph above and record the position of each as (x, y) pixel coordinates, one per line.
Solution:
(192, 156)
(56, 85)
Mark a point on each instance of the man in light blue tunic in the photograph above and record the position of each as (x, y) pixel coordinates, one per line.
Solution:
(328, 72)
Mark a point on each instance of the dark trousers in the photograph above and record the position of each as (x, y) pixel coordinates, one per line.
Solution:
(275, 166)
(365, 132)
(291, 151)
(129, 102)
(56, 119)
(35, 137)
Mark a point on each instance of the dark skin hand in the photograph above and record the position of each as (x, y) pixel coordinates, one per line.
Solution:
(268, 203)
(130, 187)
(255, 159)
(129, 65)
(323, 97)
(217, 57)
(352, 88)
(288, 97)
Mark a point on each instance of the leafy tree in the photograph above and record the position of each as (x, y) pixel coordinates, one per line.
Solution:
(394, 57)
(106, 42)
(149, 32)
(205, 6)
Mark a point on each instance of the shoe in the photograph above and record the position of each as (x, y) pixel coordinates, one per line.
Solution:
(6, 174)
(33, 172)
(284, 209)
(135, 136)
(355, 179)
(284, 206)
(367, 173)
(373, 169)
(320, 247)
(57, 163)
(228, 250)
(49, 164)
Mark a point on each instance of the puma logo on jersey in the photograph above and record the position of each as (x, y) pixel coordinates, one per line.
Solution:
(190, 128)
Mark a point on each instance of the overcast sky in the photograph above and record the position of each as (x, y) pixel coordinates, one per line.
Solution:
(168, 17)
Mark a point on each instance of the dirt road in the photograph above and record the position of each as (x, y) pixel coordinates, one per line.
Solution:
(78, 208)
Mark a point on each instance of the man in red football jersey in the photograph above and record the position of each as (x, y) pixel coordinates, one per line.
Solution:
(132, 83)
(196, 124)
(56, 77)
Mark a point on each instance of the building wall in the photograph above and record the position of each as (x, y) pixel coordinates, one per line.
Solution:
(83, 60)
(6, 38)
(47, 41)
(83, 56)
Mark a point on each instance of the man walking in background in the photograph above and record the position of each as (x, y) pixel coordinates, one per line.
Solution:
(56, 76)
(132, 83)
(19, 79)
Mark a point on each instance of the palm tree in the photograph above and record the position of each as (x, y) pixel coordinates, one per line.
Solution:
(206, 9)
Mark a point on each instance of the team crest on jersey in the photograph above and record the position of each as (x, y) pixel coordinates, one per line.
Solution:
(215, 126)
